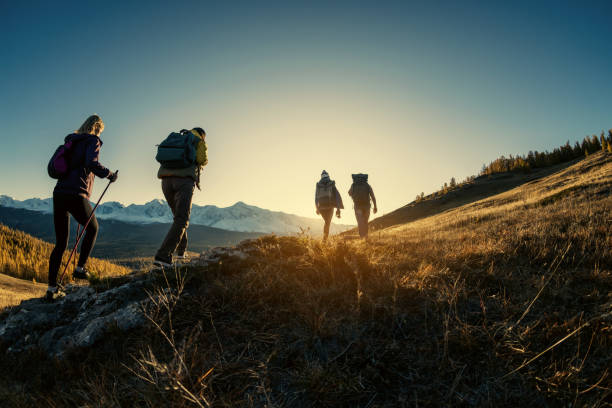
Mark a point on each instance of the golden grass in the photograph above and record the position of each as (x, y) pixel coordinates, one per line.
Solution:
(8, 298)
(26, 257)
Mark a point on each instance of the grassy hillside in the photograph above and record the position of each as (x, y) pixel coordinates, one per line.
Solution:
(474, 189)
(503, 302)
(13, 290)
(26, 257)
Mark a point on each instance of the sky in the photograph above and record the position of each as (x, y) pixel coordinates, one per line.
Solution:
(412, 93)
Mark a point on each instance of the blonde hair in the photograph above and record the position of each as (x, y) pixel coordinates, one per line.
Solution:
(92, 125)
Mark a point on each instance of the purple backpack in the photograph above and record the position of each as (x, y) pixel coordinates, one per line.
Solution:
(58, 166)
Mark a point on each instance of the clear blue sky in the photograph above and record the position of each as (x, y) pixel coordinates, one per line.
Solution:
(410, 92)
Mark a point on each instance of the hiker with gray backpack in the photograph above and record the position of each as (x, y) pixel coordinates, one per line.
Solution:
(362, 193)
(181, 157)
(327, 198)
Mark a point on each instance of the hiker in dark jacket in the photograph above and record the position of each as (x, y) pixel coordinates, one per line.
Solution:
(178, 185)
(327, 198)
(71, 196)
(362, 193)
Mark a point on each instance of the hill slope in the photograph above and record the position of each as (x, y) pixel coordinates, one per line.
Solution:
(481, 187)
(13, 290)
(26, 257)
(117, 239)
(506, 301)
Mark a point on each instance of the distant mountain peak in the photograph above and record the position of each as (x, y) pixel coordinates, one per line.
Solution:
(157, 202)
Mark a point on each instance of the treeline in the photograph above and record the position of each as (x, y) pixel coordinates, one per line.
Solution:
(533, 160)
(26, 257)
(565, 153)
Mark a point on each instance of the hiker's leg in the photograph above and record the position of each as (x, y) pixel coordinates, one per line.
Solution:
(362, 215)
(366, 219)
(327, 217)
(359, 221)
(170, 194)
(81, 210)
(61, 220)
(183, 188)
(168, 190)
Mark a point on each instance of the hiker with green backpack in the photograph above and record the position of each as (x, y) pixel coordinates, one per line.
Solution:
(327, 198)
(362, 193)
(181, 157)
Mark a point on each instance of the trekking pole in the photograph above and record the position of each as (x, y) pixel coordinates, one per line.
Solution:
(79, 236)
(78, 231)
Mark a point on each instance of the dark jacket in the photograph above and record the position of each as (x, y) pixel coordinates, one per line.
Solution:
(84, 165)
(338, 200)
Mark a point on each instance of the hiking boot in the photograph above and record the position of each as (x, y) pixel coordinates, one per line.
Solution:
(80, 272)
(163, 262)
(54, 294)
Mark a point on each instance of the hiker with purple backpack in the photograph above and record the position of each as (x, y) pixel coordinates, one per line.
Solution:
(327, 198)
(362, 193)
(75, 164)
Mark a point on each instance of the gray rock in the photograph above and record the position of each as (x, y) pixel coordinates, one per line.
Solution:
(80, 319)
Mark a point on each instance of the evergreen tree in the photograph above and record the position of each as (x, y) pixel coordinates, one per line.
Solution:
(595, 146)
(577, 151)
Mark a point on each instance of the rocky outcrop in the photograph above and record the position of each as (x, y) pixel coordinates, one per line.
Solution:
(85, 315)
(79, 319)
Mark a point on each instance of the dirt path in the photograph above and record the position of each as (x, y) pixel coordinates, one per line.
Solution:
(13, 290)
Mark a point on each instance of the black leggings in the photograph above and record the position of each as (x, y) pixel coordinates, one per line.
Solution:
(80, 208)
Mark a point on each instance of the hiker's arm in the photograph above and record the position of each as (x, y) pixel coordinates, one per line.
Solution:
(351, 191)
(202, 153)
(339, 204)
(373, 200)
(316, 202)
(91, 160)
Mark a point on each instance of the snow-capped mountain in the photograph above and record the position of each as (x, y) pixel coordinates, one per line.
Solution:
(238, 217)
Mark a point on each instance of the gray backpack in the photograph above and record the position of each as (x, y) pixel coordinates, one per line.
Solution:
(325, 194)
(361, 190)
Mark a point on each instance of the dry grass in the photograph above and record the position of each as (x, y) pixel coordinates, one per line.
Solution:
(26, 257)
(9, 298)
(13, 291)
(505, 302)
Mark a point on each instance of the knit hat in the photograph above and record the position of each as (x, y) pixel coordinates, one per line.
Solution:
(324, 174)
(198, 131)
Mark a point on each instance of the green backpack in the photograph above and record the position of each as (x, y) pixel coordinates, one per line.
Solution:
(178, 150)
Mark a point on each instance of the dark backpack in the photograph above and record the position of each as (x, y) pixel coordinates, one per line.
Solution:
(361, 190)
(177, 151)
(325, 195)
(59, 165)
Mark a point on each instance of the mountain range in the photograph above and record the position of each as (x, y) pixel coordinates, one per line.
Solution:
(238, 217)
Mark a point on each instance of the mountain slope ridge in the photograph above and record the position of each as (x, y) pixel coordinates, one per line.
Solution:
(480, 188)
(237, 217)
